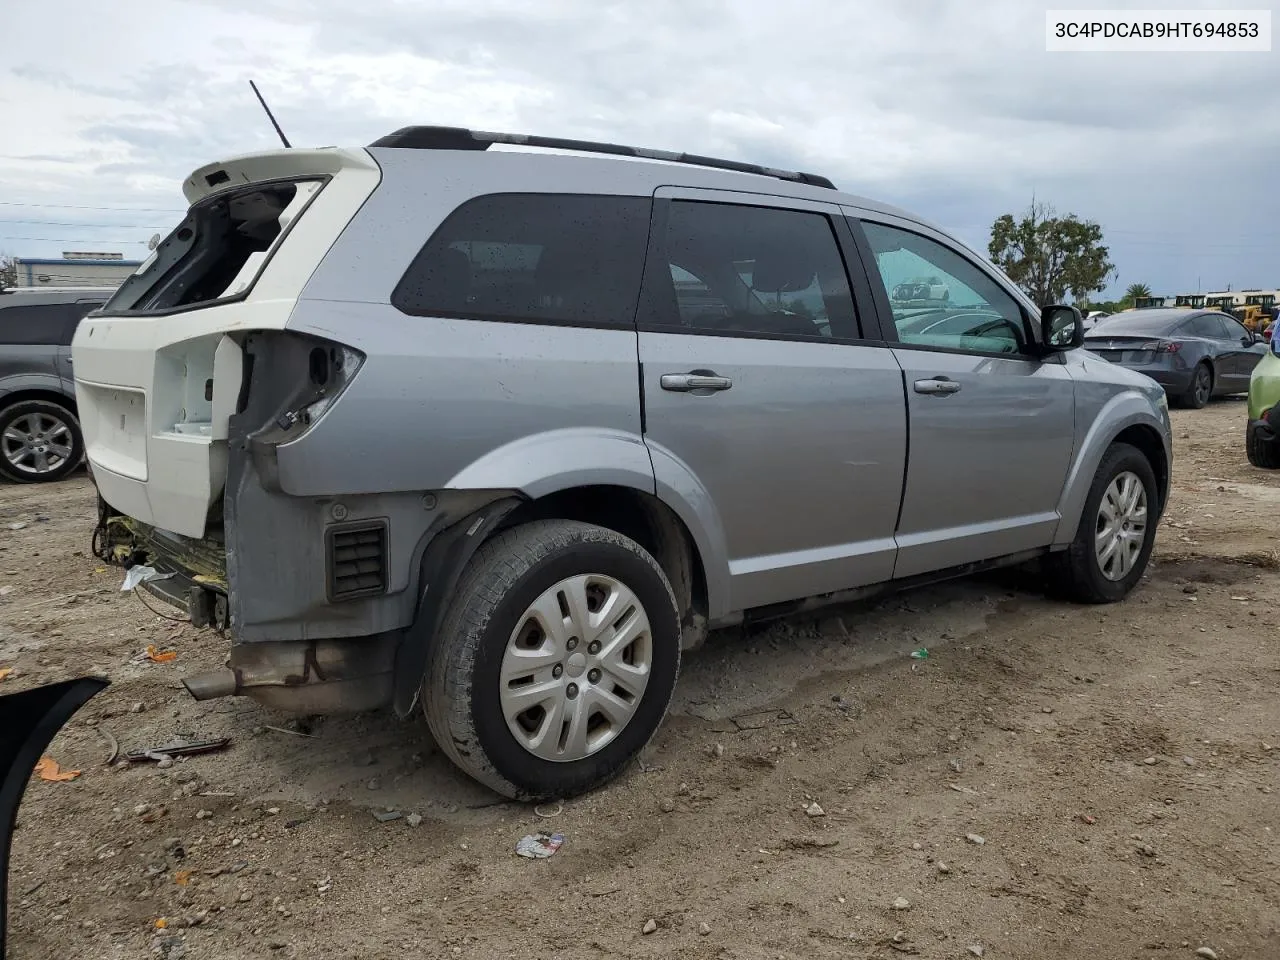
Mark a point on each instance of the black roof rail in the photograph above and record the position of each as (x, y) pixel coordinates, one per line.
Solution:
(460, 138)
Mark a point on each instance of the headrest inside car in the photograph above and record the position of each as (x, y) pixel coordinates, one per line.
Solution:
(783, 272)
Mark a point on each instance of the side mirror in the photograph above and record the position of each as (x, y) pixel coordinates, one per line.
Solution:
(1061, 327)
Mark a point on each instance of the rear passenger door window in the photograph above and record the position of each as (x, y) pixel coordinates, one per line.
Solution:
(754, 271)
(939, 299)
(537, 258)
(41, 324)
(1207, 326)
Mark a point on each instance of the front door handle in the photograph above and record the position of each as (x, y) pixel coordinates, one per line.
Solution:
(689, 382)
(937, 386)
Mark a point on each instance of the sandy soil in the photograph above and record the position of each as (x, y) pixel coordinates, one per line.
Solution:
(1120, 765)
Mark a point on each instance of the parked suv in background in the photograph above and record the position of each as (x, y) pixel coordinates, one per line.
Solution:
(454, 421)
(39, 432)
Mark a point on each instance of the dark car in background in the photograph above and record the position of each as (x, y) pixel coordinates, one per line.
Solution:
(40, 438)
(1193, 354)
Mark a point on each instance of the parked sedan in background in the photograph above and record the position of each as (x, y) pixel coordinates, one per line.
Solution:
(1193, 354)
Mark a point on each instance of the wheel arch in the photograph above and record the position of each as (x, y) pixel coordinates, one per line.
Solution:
(647, 520)
(1126, 418)
(44, 394)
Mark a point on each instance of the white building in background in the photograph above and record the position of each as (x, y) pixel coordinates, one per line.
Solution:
(74, 269)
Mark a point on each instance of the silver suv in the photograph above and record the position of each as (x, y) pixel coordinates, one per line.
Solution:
(462, 421)
(39, 433)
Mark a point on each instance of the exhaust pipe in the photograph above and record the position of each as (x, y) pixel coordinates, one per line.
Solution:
(212, 685)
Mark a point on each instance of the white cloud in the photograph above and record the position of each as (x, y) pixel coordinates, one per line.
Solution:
(952, 109)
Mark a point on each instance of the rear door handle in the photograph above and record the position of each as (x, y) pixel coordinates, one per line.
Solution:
(689, 382)
(937, 386)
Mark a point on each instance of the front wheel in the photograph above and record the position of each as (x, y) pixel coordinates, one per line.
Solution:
(1262, 452)
(1116, 534)
(555, 661)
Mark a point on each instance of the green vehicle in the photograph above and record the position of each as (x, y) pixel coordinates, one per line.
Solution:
(1262, 436)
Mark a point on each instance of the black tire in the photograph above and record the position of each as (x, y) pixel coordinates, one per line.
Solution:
(1262, 452)
(1075, 574)
(1201, 389)
(22, 417)
(461, 691)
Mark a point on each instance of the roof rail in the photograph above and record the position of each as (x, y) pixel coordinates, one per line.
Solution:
(460, 138)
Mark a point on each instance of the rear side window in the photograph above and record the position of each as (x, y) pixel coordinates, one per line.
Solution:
(1207, 325)
(218, 250)
(47, 324)
(546, 258)
(751, 271)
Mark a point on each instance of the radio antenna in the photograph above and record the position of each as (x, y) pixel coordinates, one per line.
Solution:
(270, 115)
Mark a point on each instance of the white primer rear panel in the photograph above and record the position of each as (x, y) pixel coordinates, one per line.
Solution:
(157, 446)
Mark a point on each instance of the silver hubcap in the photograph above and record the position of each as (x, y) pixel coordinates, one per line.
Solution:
(1202, 384)
(36, 443)
(576, 667)
(1122, 526)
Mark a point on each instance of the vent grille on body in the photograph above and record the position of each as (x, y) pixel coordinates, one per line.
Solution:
(356, 559)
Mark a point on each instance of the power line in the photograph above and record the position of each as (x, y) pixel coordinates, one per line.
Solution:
(69, 240)
(72, 206)
(64, 223)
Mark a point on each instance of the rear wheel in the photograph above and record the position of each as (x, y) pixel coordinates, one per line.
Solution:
(1201, 388)
(555, 661)
(39, 442)
(1116, 534)
(1262, 452)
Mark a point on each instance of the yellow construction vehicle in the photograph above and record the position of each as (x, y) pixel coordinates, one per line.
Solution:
(1142, 303)
(1256, 312)
(1189, 301)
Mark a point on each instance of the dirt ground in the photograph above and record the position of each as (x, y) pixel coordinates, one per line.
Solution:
(1119, 764)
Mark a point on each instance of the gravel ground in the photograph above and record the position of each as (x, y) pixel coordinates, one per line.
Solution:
(1052, 782)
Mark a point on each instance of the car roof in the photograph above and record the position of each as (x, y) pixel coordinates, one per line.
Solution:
(630, 165)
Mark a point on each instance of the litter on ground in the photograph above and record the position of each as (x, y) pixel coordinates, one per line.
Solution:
(539, 846)
(48, 769)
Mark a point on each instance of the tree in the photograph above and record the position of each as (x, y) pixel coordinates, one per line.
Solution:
(8, 271)
(1050, 256)
(1133, 292)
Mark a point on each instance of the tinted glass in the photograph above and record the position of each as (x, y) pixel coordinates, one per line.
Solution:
(1234, 329)
(540, 257)
(1208, 326)
(42, 323)
(941, 299)
(1141, 323)
(728, 268)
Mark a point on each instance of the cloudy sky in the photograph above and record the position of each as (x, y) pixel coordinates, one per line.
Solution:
(950, 108)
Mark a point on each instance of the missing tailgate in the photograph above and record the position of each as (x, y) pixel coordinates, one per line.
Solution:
(217, 252)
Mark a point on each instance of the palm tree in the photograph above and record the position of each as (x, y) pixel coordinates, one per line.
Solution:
(1135, 291)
